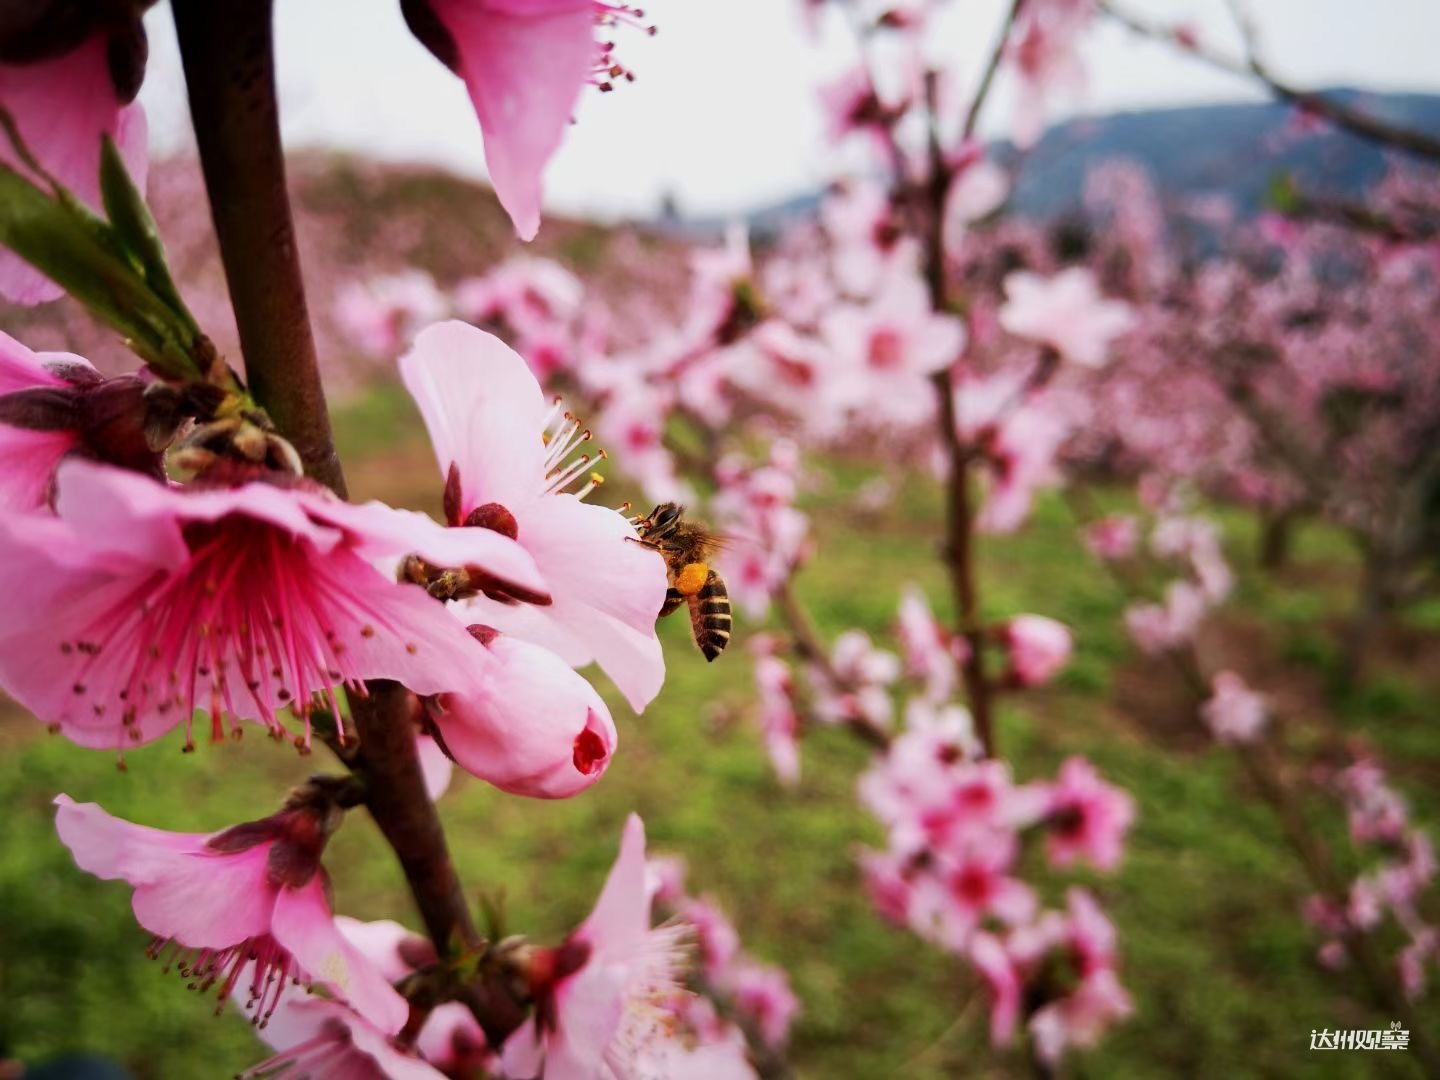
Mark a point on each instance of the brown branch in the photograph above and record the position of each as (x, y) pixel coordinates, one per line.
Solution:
(227, 52)
(1355, 121)
(397, 800)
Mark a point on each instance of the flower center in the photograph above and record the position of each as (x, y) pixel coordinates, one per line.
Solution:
(204, 634)
(887, 348)
(972, 885)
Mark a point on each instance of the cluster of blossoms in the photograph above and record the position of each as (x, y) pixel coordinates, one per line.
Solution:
(1399, 867)
(956, 824)
(255, 895)
(1179, 541)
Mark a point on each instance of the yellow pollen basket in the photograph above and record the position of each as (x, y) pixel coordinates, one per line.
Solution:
(691, 578)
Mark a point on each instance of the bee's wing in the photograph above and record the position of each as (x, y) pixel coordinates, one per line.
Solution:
(728, 541)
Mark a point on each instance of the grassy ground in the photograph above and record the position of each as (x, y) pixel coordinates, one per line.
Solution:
(1219, 963)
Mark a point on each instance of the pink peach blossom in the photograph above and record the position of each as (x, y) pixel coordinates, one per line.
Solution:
(382, 315)
(715, 935)
(507, 459)
(1087, 939)
(1065, 312)
(1038, 647)
(613, 971)
(1113, 537)
(764, 993)
(1234, 713)
(242, 600)
(1022, 454)
(972, 882)
(1088, 818)
(928, 653)
(1157, 628)
(255, 892)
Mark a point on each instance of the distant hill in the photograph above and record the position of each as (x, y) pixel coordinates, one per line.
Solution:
(1230, 150)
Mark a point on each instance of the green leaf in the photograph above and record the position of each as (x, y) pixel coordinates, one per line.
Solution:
(86, 257)
(1282, 194)
(134, 229)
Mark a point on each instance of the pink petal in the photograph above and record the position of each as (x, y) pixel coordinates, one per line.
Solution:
(448, 1023)
(20, 368)
(524, 73)
(303, 925)
(28, 460)
(380, 942)
(621, 916)
(112, 848)
(314, 1033)
(591, 1009)
(62, 107)
(183, 891)
(436, 767)
(484, 411)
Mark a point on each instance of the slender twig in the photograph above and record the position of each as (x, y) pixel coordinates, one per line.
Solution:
(1355, 121)
(997, 54)
(959, 553)
(228, 57)
(959, 549)
(812, 650)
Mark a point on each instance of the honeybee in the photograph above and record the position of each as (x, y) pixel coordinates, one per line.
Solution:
(687, 547)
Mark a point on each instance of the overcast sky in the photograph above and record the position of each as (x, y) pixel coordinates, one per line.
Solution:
(724, 113)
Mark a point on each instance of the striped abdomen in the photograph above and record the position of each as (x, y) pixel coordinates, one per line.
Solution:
(710, 616)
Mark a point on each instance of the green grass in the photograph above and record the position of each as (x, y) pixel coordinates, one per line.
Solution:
(1220, 965)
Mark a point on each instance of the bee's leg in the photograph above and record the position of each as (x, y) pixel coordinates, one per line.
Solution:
(689, 581)
(645, 543)
(710, 616)
(692, 578)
